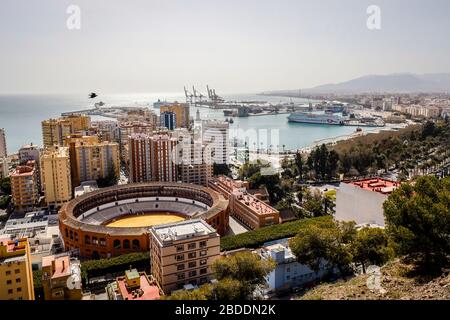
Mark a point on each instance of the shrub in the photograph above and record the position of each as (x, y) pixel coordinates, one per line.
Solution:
(94, 268)
(255, 238)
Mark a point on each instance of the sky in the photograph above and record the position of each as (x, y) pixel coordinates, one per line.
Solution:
(236, 46)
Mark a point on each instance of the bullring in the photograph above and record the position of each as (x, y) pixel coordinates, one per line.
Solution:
(112, 221)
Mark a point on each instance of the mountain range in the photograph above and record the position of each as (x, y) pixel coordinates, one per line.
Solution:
(390, 83)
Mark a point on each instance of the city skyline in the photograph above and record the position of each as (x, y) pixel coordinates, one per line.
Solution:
(160, 46)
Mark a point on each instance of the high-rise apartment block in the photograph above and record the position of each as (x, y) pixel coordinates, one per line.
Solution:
(54, 131)
(91, 159)
(25, 187)
(181, 111)
(3, 151)
(152, 157)
(55, 175)
(216, 136)
(168, 120)
(4, 167)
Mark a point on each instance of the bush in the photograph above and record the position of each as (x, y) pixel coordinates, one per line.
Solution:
(95, 268)
(255, 238)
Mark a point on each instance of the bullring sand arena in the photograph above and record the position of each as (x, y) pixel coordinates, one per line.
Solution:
(112, 221)
(145, 220)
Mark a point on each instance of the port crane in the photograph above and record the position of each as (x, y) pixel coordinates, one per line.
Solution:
(196, 97)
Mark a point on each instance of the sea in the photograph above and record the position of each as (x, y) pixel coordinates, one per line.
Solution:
(21, 116)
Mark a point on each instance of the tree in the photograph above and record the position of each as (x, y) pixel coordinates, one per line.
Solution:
(300, 165)
(202, 293)
(314, 203)
(325, 245)
(238, 277)
(221, 169)
(428, 129)
(417, 219)
(323, 162)
(247, 268)
(5, 185)
(371, 247)
(110, 179)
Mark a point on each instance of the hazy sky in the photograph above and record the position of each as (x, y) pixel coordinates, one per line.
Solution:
(234, 45)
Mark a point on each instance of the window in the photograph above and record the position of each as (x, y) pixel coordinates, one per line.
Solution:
(202, 244)
(10, 291)
(19, 289)
(136, 244)
(18, 280)
(180, 267)
(180, 248)
(203, 271)
(8, 281)
(192, 255)
(116, 244)
(8, 273)
(192, 273)
(103, 242)
(202, 253)
(180, 276)
(126, 244)
(192, 264)
(202, 262)
(17, 271)
(192, 245)
(179, 257)
(87, 240)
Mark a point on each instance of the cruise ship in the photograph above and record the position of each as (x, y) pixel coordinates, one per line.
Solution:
(316, 118)
(160, 103)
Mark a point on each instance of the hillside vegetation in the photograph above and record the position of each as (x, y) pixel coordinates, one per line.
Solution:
(397, 282)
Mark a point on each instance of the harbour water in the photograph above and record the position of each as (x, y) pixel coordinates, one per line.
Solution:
(21, 116)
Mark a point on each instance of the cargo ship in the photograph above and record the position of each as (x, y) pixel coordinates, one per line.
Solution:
(316, 118)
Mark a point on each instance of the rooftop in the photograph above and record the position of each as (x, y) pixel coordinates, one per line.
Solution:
(60, 265)
(379, 185)
(257, 206)
(182, 230)
(146, 291)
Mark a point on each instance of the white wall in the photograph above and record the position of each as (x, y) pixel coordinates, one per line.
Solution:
(362, 206)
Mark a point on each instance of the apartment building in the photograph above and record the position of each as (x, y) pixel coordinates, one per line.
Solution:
(181, 111)
(91, 159)
(25, 187)
(168, 120)
(55, 175)
(215, 136)
(152, 157)
(61, 278)
(16, 275)
(55, 130)
(4, 167)
(3, 151)
(194, 160)
(182, 253)
(128, 128)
